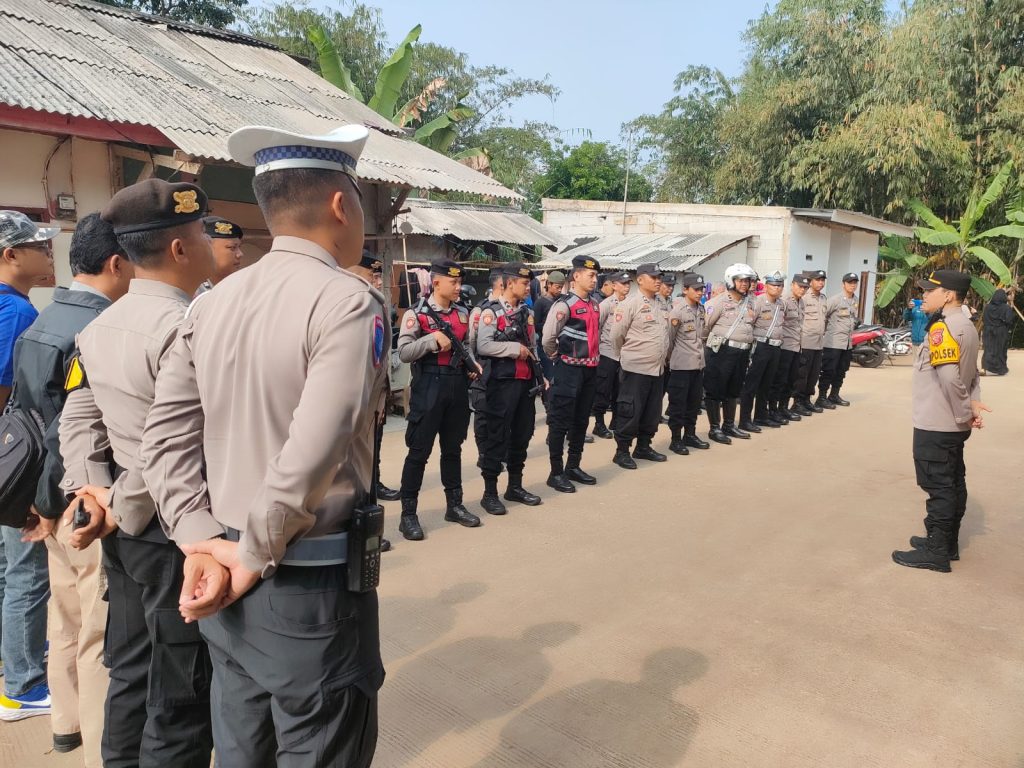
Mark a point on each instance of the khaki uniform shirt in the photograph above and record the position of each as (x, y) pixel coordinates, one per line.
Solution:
(640, 335)
(792, 325)
(686, 337)
(664, 304)
(605, 322)
(122, 351)
(768, 317)
(722, 312)
(840, 318)
(813, 333)
(945, 376)
(264, 416)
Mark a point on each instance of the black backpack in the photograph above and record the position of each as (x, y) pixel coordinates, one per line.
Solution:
(21, 464)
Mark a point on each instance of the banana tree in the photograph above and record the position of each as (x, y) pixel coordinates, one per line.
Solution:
(965, 240)
(895, 252)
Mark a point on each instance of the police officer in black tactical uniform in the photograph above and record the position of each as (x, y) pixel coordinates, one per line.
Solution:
(477, 391)
(505, 339)
(439, 404)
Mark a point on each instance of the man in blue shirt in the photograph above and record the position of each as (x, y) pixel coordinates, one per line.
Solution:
(26, 257)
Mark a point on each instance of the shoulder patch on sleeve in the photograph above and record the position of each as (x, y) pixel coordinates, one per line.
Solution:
(942, 347)
(76, 378)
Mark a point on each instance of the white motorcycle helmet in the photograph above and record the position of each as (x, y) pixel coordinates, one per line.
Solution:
(738, 272)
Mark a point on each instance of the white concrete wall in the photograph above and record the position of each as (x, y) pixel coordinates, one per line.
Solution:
(809, 247)
(79, 167)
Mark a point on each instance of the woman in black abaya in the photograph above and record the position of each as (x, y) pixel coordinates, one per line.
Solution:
(997, 320)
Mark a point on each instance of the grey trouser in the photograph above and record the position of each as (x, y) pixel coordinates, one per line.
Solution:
(296, 669)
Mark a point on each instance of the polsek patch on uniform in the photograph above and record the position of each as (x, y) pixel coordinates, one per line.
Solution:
(942, 347)
(378, 340)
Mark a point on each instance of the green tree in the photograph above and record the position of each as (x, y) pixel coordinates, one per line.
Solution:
(591, 171)
(210, 13)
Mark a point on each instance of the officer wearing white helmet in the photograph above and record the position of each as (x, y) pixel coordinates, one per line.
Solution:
(730, 335)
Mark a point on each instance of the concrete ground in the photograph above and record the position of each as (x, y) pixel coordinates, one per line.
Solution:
(735, 607)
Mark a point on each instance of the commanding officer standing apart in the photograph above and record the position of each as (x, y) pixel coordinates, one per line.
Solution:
(640, 337)
(812, 340)
(686, 366)
(729, 334)
(572, 339)
(506, 338)
(606, 391)
(226, 237)
(158, 708)
(789, 352)
(947, 406)
(768, 314)
(439, 404)
(840, 320)
(257, 437)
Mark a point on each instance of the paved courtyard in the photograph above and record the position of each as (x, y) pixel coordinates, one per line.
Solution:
(735, 607)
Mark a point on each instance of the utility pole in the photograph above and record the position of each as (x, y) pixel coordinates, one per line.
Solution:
(625, 193)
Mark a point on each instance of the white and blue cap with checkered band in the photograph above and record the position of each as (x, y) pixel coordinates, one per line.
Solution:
(270, 149)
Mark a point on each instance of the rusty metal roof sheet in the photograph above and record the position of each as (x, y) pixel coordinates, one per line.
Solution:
(195, 85)
(483, 223)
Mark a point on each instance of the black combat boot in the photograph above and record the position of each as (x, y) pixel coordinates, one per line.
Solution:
(557, 479)
(934, 556)
(492, 504)
(714, 409)
(573, 471)
(836, 399)
(516, 492)
(746, 407)
(691, 440)
(409, 526)
(456, 513)
(644, 451)
(729, 419)
(788, 412)
(800, 408)
(600, 430)
(387, 494)
(677, 445)
(824, 403)
(775, 414)
(812, 407)
(622, 457)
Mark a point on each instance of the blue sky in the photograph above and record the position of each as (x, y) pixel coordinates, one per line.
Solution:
(612, 60)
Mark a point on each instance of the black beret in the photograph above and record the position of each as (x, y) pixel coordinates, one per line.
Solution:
(215, 226)
(447, 268)
(371, 261)
(517, 269)
(693, 280)
(154, 204)
(620, 277)
(802, 280)
(648, 269)
(815, 274)
(950, 279)
(668, 278)
(585, 262)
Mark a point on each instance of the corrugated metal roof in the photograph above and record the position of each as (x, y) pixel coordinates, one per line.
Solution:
(484, 223)
(673, 252)
(195, 85)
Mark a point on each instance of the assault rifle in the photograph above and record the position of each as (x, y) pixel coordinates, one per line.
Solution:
(515, 330)
(460, 353)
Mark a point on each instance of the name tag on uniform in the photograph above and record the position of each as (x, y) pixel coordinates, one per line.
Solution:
(649, 318)
(580, 311)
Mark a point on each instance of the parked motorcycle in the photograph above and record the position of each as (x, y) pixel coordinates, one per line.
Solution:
(869, 345)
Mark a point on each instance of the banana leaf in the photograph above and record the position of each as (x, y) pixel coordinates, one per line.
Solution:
(890, 288)
(983, 287)
(925, 214)
(993, 262)
(332, 68)
(393, 75)
(1006, 230)
(936, 237)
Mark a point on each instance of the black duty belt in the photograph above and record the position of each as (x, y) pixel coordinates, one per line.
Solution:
(309, 551)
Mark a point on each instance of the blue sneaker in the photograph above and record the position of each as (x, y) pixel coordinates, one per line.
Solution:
(35, 701)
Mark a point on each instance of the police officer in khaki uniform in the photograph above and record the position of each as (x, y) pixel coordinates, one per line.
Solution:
(506, 339)
(729, 334)
(812, 340)
(840, 320)
(158, 701)
(686, 366)
(226, 238)
(606, 391)
(640, 337)
(789, 352)
(439, 405)
(664, 299)
(571, 338)
(255, 437)
(768, 314)
(946, 408)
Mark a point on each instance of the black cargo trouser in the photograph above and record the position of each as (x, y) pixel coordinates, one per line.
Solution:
(685, 391)
(606, 388)
(478, 405)
(834, 365)
(785, 376)
(157, 711)
(570, 399)
(758, 382)
(638, 409)
(724, 372)
(296, 670)
(941, 473)
(807, 378)
(438, 408)
(511, 415)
